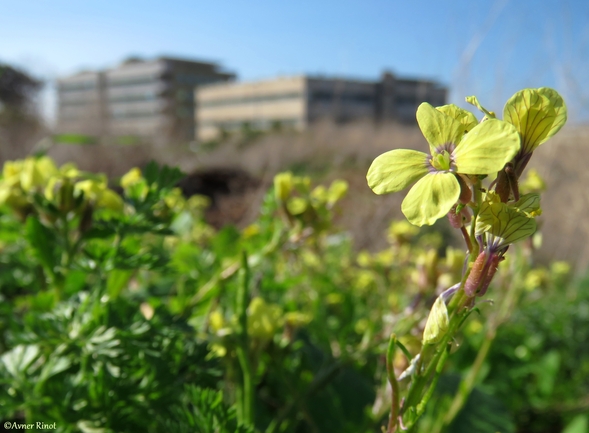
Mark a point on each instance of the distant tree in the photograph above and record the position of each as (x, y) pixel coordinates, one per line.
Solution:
(19, 122)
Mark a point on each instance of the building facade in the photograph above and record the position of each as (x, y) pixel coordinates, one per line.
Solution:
(142, 98)
(81, 104)
(297, 102)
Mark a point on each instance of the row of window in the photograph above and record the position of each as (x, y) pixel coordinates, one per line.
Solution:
(133, 114)
(250, 99)
(330, 97)
(194, 80)
(181, 112)
(316, 97)
(250, 123)
(184, 79)
(78, 102)
(133, 80)
(147, 96)
(77, 86)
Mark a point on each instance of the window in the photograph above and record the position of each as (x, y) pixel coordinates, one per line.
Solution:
(76, 86)
(146, 96)
(251, 99)
(133, 80)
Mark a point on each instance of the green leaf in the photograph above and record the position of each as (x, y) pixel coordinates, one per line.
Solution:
(18, 360)
(43, 242)
(431, 198)
(437, 322)
(537, 114)
(117, 280)
(579, 424)
(463, 116)
(395, 170)
(74, 282)
(438, 128)
(151, 172)
(549, 367)
(487, 148)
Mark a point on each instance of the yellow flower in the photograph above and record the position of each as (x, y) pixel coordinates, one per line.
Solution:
(36, 172)
(132, 177)
(297, 319)
(263, 319)
(11, 172)
(96, 192)
(175, 200)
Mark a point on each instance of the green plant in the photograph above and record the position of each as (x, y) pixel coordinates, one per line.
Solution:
(491, 218)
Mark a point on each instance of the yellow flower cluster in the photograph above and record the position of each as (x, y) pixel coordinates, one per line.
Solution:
(63, 187)
(263, 319)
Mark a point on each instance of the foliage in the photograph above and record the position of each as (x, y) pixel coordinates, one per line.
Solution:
(127, 312)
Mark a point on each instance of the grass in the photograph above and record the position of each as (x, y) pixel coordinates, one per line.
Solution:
(78, 139)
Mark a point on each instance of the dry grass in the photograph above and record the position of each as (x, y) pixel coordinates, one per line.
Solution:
(328, 151)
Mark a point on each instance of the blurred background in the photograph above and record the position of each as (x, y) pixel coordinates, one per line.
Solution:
(251, 89)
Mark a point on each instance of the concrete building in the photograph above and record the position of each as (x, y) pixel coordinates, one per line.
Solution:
(297, 102)
(144, 98)
(81, 104)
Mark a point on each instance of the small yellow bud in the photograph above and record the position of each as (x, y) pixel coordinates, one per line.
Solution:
(132, 177)
(437, 322)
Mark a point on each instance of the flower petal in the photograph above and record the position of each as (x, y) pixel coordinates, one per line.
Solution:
(528, 203)
(487, 148)
(465, 117)
(431, 198)
(395, 170)
(537, 114)
(438, 128)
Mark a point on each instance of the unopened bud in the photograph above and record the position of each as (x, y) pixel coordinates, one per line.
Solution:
(481, 274)
(455, 218)
(437, 322)
(459, 216)
(493, 266)
(503, 189)
(476, 275)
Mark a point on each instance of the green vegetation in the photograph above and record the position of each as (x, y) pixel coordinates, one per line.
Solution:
(128, 312)
(74, 139)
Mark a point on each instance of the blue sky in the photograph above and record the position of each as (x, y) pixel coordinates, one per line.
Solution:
(487, 48)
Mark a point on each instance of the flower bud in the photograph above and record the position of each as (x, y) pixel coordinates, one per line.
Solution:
(503, 188)
(481, 274)
(493, 266)
(458, 218)
(476, 275)
(283, 184)
(437, 322)
(455, 218)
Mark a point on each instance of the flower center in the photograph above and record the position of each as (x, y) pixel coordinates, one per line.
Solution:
(442, 161)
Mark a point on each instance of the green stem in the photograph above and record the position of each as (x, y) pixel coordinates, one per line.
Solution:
(468, 382)
(477, 198)
(395, 406)
(245, 395)
(417, 397)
